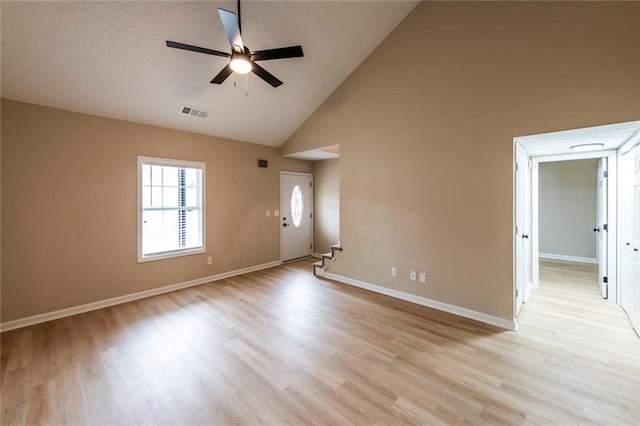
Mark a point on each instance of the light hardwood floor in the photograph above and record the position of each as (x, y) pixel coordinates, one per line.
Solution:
(280, 346)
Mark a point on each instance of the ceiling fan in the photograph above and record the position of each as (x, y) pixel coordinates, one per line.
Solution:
(242, 60)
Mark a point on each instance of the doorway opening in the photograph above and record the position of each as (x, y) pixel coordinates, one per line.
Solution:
(326, 205)
(566, 210)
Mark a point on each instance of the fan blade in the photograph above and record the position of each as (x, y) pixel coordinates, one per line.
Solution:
(266, 75)
(232, 29)
(222, 75)
(280, 53)
(191, 48)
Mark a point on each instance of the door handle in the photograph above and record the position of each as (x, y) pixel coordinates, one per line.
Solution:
(596, 229)
(628, 244)
(635, 249)
(525, 236)
(284, 224)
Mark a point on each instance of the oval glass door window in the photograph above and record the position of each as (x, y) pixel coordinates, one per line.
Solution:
(296, 206)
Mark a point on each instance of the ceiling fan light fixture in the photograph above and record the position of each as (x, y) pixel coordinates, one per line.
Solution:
(240, 63)
(587, 147)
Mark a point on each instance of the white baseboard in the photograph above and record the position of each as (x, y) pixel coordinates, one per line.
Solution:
(457, 310)
(567, 258)
(48, 316)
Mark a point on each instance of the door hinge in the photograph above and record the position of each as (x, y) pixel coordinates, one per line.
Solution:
(517, 293)
(605, 280)
(605, 173)
(516, 229)
(310, 184)
(311, 215)
(530, 164)
(516, 166)
(311, 246)
(605, 227)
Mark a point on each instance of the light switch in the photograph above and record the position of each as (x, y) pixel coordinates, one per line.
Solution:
(276, 213)
(267, 213)
(423, 277)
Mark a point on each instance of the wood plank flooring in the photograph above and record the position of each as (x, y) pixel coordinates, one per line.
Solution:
(281, 346)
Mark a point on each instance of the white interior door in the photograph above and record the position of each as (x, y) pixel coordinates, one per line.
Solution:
(635, 316)
(628, 212)
(520, 234)
(601, 226)
(297, 215)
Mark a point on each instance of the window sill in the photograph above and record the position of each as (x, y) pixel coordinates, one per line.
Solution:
(170, 255)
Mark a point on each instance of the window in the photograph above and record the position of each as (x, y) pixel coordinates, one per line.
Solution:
(296, 206)
(170, 208)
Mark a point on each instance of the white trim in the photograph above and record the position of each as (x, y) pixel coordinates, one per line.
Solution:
(317, 255)
(48, 316)
(632, 142)
(441, 306)
(568, 258)
(157, 161)
(573, 156)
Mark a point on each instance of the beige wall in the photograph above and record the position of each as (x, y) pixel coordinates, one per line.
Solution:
(567, 208)
(326, 204)
(69, 207)
(426, 127)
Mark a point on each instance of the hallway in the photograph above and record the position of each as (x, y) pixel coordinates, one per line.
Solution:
(568, 301)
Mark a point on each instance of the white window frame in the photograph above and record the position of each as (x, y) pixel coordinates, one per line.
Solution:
(156, 161)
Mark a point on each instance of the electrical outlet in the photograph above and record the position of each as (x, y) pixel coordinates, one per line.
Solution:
(423, 277)
(276, 213)
(209, 260)
(394, 271)
(413, 276)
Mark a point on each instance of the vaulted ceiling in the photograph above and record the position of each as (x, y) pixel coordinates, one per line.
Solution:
(110, 59)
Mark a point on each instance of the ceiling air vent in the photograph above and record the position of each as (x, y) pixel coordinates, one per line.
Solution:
(194, 112)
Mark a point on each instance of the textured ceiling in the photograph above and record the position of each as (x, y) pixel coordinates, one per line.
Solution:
(612, 136)
(109, 59)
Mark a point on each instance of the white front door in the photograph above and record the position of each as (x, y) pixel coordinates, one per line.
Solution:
(296, 215)
(601, 226)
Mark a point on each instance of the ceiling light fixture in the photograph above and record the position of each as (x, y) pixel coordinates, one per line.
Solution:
(240, 63)
(587, 147)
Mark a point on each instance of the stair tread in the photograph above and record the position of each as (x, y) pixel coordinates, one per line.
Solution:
(327, 255)
(318, 263)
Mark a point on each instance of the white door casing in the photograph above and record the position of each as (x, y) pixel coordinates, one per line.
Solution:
(296, 218)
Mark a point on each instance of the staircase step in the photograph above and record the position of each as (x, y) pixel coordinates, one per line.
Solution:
(327, 256)
(317, 265)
